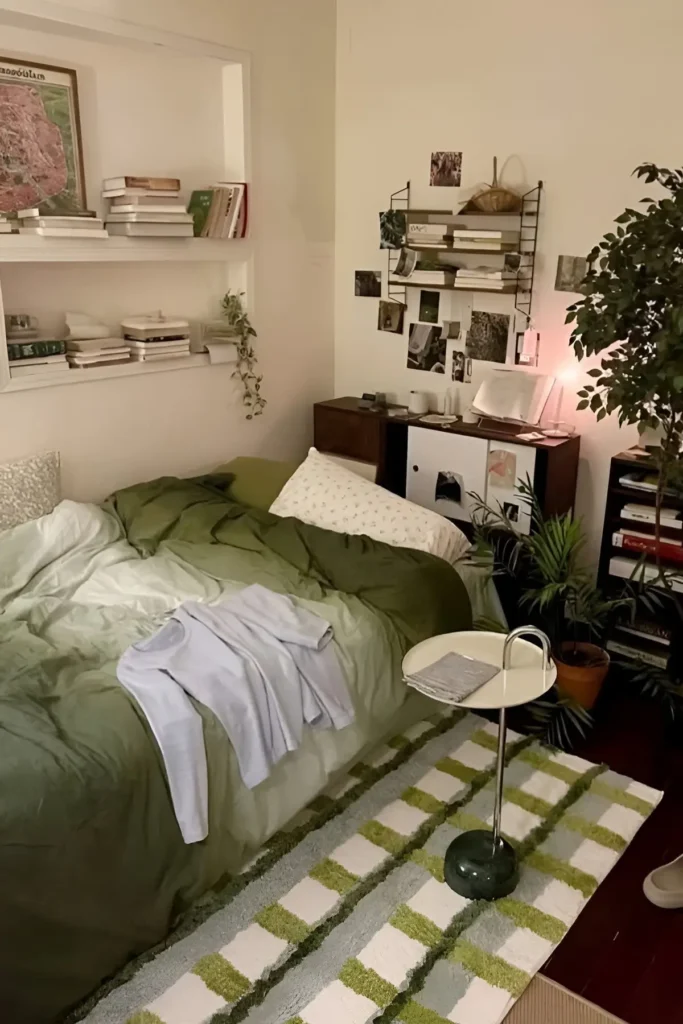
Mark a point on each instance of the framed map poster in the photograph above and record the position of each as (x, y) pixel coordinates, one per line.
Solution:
(41, 156)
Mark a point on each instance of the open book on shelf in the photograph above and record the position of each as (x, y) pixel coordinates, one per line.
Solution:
(514, 396)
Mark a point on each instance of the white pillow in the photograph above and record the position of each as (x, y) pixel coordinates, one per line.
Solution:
(322, 493)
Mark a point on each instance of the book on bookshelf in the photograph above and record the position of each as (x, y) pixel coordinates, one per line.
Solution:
(482, 284)
(648, 545)
(92, 344)
(103, 358)
(39, 369)
(147, 357)
(130, 193)
(220, 211)
(141, 182)
(147, 328)
(431, 232)
(18, 351)
(90, 223)
(628, 568)
(443, 278)
(51, 232)
(50, 360)
(147, 217)
(147, 204)
(483, 234)
(488, 273)
(652, 632)
(179, 345)
(142, 230)
(672, 518)
(647, 657)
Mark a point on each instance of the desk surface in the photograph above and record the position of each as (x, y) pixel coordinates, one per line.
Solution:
(490, 431)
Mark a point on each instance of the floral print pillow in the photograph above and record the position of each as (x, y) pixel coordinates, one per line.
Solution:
(29, 488)
(324, 494)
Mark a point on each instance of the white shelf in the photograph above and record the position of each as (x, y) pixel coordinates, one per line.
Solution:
(117, 249)
(81, 376)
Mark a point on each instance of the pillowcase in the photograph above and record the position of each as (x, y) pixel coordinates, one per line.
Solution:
(29, 488)
(257, 482)
(322, 493)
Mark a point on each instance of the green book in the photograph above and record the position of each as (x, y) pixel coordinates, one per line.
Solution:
(200, 207)
(34, 349)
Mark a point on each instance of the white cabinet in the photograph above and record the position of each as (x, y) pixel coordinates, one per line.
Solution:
(507, 464)
(443, 467)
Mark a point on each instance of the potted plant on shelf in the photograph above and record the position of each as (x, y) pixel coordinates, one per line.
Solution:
(557, 591)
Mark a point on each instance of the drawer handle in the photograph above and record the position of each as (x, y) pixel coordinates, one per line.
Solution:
(416, 469)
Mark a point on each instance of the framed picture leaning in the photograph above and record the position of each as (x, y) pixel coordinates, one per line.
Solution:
(41, 161)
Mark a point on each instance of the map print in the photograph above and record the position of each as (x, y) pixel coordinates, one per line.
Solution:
(39, 154)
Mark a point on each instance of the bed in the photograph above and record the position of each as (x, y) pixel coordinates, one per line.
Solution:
(93, 869)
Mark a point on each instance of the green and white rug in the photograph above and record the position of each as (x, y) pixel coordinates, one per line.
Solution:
(346, 918)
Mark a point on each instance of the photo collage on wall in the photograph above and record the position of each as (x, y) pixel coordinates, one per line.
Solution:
(435, 342)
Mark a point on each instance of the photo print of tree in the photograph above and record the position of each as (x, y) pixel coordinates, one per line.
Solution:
(487, 338)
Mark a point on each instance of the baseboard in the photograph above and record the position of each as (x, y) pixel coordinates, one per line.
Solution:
(545, 1002)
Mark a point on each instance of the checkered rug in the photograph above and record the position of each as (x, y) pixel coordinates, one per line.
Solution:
(346, 919)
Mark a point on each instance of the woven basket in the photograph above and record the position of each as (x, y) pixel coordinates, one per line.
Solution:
(496, 199)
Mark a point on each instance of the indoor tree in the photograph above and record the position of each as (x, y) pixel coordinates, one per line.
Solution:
(632, 311)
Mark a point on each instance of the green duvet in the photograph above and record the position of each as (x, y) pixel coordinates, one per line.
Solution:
(93, 869)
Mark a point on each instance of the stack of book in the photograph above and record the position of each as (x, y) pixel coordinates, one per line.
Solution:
(150, 339)
(40, 356)
(5, 225)
(428, 236)
(637, 532)
(87, 353)
(481, 239)
(76, 225)
(485, 279)
(146, 208)
(220, 211)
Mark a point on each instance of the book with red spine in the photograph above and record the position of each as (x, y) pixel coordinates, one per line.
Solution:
(647, 545)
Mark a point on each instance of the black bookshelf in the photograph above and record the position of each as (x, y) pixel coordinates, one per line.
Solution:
(647, 640)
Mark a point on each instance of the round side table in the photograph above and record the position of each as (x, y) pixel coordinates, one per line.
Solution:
(481, 864)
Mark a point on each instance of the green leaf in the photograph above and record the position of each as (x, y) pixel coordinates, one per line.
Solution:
(582, 405)
(594, 373)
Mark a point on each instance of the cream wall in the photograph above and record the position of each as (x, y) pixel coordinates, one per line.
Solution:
(112, 433)
(578, 93)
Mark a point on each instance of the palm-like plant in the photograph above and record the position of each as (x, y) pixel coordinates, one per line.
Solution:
(558, 588)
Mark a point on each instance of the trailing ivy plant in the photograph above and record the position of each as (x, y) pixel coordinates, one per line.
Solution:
(632, 311)
(247, 363)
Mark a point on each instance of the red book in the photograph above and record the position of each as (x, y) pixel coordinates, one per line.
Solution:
(648, 546)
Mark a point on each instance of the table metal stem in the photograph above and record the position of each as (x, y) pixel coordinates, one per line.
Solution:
(500, 769)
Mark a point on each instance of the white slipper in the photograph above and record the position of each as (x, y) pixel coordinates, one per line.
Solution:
(664, 886)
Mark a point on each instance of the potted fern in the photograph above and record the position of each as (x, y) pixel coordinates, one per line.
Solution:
(557, 590)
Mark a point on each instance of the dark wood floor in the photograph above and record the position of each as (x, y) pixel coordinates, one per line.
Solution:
(623, 953)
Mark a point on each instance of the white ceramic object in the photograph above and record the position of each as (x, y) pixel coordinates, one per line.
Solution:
(418, 403)
(528, 678)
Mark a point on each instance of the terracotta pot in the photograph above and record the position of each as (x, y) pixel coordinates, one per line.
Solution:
(581, 683)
